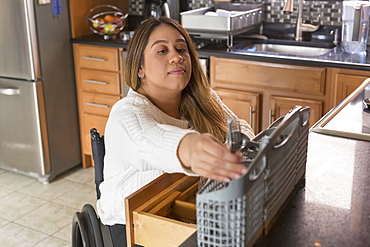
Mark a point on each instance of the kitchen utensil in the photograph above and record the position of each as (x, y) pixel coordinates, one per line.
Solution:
(235, 139)
(367, 103)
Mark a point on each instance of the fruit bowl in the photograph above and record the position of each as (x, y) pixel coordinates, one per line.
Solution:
(106, 20)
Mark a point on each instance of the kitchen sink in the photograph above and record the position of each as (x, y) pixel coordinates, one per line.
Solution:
(284, 47)
(288, 49)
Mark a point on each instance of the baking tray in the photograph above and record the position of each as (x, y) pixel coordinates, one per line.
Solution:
(349, 118)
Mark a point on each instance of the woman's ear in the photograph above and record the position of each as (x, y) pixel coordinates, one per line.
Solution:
(141, 74)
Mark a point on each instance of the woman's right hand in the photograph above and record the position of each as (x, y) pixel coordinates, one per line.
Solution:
(208, 157)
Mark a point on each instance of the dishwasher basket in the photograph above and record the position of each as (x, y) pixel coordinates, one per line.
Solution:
(235, 214)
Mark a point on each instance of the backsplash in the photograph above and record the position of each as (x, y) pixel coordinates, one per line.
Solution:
(330, 11)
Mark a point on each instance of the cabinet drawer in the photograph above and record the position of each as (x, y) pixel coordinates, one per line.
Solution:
(98, 104)
(103, 58)
(91, 121)
(168, 217)
(290, 78)
(100, 81)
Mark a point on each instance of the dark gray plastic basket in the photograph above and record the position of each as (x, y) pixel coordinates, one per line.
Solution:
(236, 213)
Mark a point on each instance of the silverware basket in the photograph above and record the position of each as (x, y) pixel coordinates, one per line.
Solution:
(235, 214)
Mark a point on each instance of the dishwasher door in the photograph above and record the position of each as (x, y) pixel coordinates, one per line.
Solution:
(23, 137)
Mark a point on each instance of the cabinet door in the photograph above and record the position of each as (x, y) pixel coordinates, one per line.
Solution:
(345, 84)
(244, 105)
(92, 121)
(279, 106)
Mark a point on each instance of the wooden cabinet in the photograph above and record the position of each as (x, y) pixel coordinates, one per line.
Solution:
(245, 105)
(279, 106)
(345, 81)
(260, 92)
(99, 85)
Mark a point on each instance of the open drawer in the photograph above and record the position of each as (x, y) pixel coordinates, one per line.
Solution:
(163, 212)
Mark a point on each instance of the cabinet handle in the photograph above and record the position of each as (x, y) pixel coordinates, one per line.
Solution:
(251, 116)
(95, 59)
(98, 105)
(270, 117)
(96, 82)
(10, 91)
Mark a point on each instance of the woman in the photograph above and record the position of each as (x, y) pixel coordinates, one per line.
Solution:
(170, 121)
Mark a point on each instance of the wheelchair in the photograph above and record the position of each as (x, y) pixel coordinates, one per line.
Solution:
(87, 229)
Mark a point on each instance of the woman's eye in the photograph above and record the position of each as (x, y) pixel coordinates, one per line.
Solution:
(181, 50)
(162, 51)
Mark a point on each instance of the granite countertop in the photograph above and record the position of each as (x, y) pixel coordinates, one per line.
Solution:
(333, 208)
(335, 58)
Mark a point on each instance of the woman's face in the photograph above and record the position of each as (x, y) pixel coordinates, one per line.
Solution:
(167, 62)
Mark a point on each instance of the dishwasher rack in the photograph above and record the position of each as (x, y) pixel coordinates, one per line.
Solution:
(238, 213)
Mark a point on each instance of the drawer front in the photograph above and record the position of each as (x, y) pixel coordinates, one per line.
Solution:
(98, 104)
(100, 81)
(301, 79)
(104, 58)
(89, 122)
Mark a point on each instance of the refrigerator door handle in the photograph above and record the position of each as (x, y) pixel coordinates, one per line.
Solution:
(10, 91)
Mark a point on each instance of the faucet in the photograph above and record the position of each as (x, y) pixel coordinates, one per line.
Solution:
(300, 26)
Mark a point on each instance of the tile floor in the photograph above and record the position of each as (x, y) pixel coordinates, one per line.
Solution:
(40, 215)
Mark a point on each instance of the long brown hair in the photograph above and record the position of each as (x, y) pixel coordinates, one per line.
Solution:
(197, 103)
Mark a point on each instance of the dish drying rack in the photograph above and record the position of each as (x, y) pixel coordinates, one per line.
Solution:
(245, 17)
(237, 213)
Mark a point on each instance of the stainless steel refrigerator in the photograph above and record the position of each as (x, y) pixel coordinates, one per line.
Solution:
(39, 134)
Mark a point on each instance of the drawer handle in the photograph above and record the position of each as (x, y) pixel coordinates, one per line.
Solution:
(96, 82)
(251, 116)
(95, 59)
(270, 117)
(98, 105)
(10, 91)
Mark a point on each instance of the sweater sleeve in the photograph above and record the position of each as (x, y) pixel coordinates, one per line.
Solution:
(146, 139)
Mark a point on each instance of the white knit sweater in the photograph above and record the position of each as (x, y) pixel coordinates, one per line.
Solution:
(141, 144)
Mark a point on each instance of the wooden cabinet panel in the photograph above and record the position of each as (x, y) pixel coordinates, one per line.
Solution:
(98, 104)
(245, 105)
(103, 58)
(290, 78)
(99, 86)
(92, 121)
(279, 106)
(100, 81)
(345, 84)
(280, 87)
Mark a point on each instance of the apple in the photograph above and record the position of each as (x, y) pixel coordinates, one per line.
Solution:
(109, 29)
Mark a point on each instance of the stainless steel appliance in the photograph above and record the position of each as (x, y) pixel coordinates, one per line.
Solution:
(156, 8)
(38, 110)
(355, 26)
